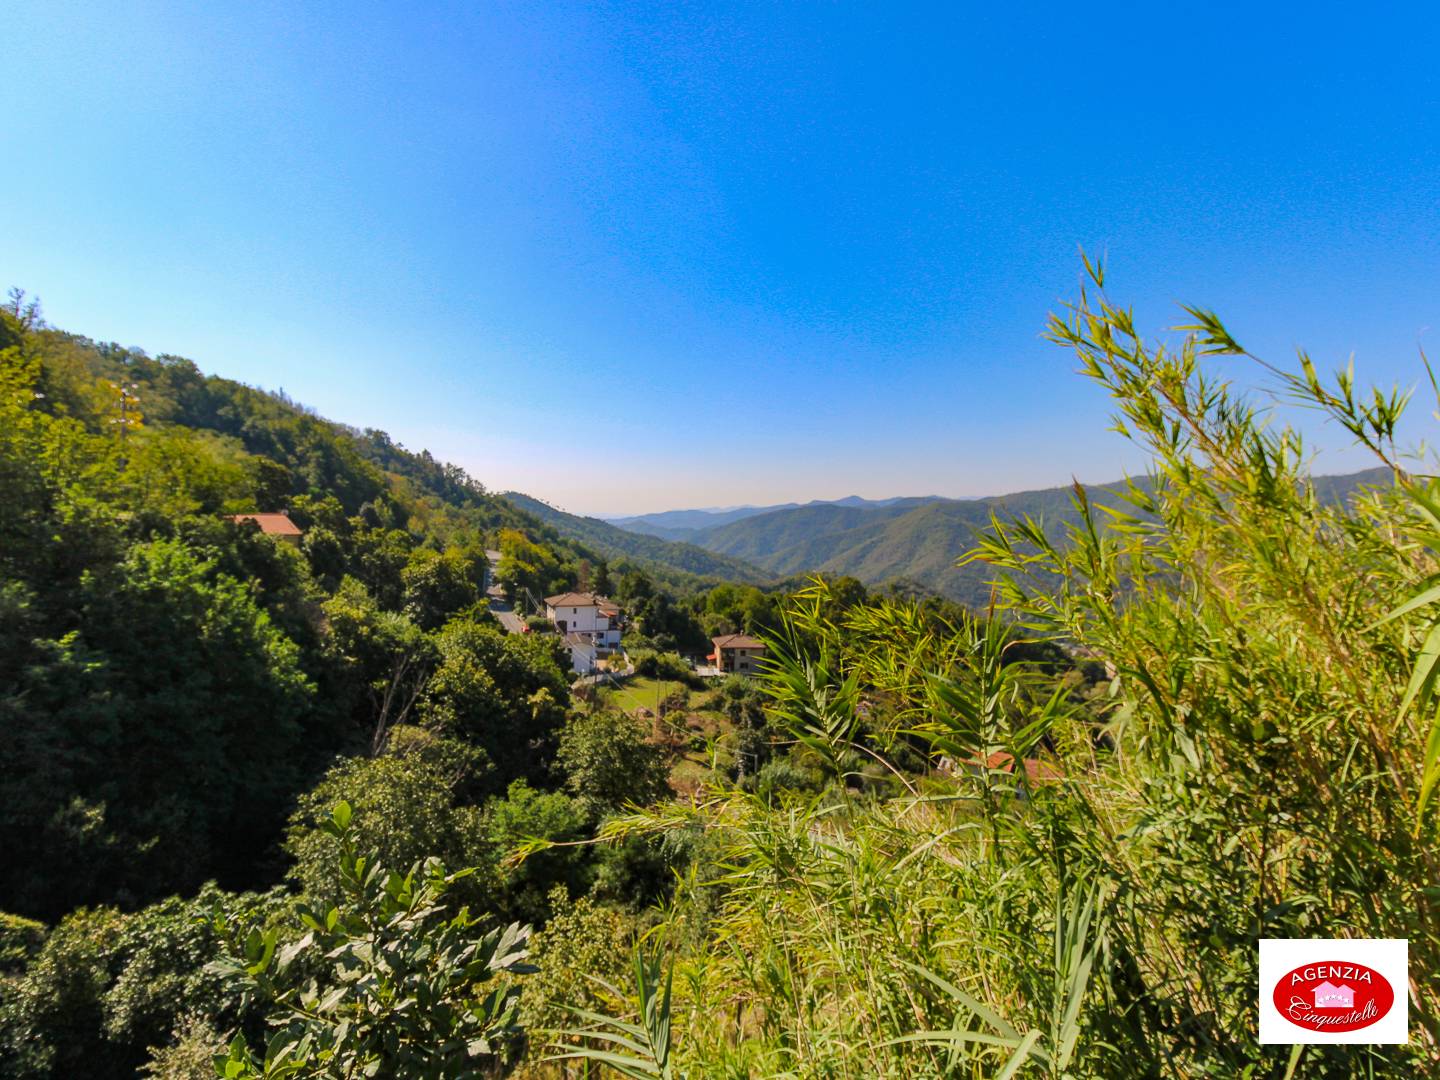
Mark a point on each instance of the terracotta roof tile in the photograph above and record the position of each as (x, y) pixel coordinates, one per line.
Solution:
(274, 524)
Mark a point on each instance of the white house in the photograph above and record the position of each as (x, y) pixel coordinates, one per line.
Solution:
(592, 617)
(583, 653)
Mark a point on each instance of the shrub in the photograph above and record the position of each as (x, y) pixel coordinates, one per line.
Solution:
(106, 987)
(403, 812)
(608, 764)
(517, 823)
(663, 665)
(391, 981)
(20, 939)
(782, 774)
(190, 1055)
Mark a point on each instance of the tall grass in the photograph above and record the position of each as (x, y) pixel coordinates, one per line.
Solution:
(1258, 766)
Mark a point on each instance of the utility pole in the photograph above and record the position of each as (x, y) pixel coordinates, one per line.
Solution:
(128, 400)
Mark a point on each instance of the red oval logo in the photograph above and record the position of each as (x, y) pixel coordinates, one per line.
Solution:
(1333, 995)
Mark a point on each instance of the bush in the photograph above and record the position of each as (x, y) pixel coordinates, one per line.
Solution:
(783, 774)
(20, 939)
(509, 825)
(403, 812)
(582, 942)
(106, 987)
(190, 1055)
(663, 665)
(391, 981)
(608, 764)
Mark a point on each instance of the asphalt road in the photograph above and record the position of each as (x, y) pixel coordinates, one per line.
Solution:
(508, 619)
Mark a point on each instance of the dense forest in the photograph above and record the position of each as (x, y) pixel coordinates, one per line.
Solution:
(306, 810)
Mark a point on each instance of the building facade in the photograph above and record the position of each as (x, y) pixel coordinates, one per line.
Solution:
(737, 653)
(592, 617)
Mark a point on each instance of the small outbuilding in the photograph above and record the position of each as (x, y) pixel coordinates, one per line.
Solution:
(278, 525)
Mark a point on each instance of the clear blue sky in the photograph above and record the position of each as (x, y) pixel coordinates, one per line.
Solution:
(628, 257)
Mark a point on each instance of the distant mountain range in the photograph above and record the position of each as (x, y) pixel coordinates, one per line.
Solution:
(916, 539)
(683, 524)
(615, 544)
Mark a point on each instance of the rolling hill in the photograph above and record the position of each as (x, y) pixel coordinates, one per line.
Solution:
(614, 543)
(911, 539)
(684, 525)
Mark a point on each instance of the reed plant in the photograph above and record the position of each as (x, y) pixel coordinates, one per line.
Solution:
(1071, 884)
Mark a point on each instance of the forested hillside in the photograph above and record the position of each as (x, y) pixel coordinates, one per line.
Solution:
(684, 525)
(184, 698)
(616, 543)
(164, 668)
(910, 540)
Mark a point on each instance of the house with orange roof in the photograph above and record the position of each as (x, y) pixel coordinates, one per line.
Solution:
(277, 525)
(736, 654)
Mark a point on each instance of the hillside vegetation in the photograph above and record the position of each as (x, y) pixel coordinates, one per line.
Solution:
(616, 543)
(913, 540)
(685, 524)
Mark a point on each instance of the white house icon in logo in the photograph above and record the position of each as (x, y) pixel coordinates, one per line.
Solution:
(1330, 996)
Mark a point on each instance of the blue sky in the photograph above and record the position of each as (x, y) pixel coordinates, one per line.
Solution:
(630, 257)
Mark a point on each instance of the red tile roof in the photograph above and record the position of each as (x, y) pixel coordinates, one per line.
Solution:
(577, 599)
(1037, 770)
(737, 641)
(274, 524)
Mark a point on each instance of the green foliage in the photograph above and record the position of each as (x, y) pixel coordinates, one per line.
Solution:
(527, 567)
(190, 1056)
(111, 729)
(1072, 880)
(657, 618)
(909, 544)
(783, 775)
(403, 812)
(20, 939)
(387, 982)
(554, 821)
(1043, 843)
(1424, 530)
(106, 986)
(581, 942)
(639, 1050)
(382, 660)
(438, 584)
(608, 764)
(504, 693)
(734, 609)
(653, 664)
